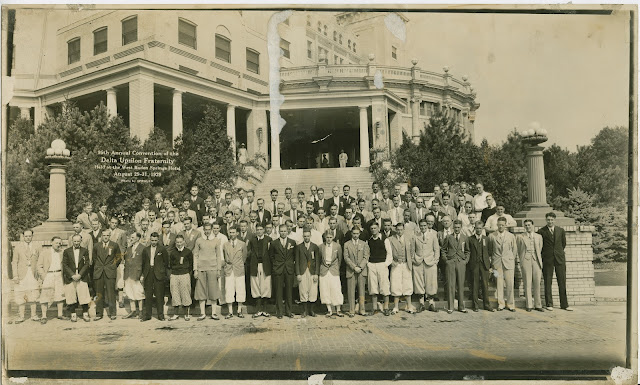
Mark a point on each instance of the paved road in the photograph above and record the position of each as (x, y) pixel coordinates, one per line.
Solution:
(591, 337)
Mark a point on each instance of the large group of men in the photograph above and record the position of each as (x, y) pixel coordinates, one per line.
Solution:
(221, 250)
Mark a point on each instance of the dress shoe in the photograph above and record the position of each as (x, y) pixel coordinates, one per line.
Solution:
(18, 321)
(475, 309)
(257, 315)
(35, 318)
(528, 309)
(161, 317)
(267, 315)
(463, 311)
(240, 315)
(74, 317)
(340, 314)
(201, 318)
(121, 305)
(143, 319)
(279, 316)
(290, 315)
(97, 318)
(312, 313)
(363, 314)
(112, 318)
(432, 307)
(394, 311)
(63, 318)
(229, 316)
(449, 311)
(500, 309)
(490, 309)
(43, 320)
(386, 312)
(187, 318)
(130, 315)
(540, 309)
(511, 309)
(304, 314)
(85, 318)
(549, 308)
(568, 309)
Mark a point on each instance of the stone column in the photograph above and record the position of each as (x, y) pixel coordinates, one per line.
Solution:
(112, 102)
(415, 120)
(25, 113)
(176, 115)
(364, 138)
(141, 105)
(231, 128)
(537, 190)
(57, 156)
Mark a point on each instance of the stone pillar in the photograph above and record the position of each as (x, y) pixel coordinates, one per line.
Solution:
(415, 120)
(58, 156)
(141, 106)
(112, 102)
(176, 115)
(364, 138)
(537, 190)
(257, 140)
(40, 114)
(25, 112)
(231, 128)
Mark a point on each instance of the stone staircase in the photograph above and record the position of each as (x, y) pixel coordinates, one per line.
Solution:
(301, 180)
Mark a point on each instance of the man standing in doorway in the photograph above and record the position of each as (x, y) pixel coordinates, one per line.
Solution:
(343, 157)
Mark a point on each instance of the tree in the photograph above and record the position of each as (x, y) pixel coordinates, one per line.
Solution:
(205, 155)
(561, 169)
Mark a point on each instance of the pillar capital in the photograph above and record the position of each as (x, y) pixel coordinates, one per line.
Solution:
(176, 91)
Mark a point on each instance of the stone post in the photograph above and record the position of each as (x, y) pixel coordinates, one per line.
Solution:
(176, 115)
(57, 156)
(364, 138)
(112, 102)
(231, 128)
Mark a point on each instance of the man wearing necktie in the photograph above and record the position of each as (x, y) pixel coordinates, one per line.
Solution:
(282, 254)
(75, 275)
(235, 254)
(50, 276)
(425, 264)
(530, 256)
(554, 241)
(155, 270)
(142, 214)
(106, 259)
(479, 265)
(307, 267)
(356, 257)
(503, 250)
(26, 289)
(403, 248)
(455, 257)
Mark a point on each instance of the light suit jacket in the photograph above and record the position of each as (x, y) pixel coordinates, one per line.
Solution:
(234, 258)
(408, 249)
(22, 259)
(427, 250)
(503, 253)
(356, 257)
(537, 246)
(336, 261)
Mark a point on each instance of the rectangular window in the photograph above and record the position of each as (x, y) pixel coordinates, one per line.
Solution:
(187, 33)
(423, 108)
(100, 41)
(309, 49)
(73, 53)
(223, 48)
(284, 46)
(394, 53)
(335, 59)
(253, 61)
(130, 30)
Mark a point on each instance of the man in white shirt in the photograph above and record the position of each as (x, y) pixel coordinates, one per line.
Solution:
(492, 221)
(425, 263)
(480, 199)
(396, 213)
(50, 277)
(142, 214)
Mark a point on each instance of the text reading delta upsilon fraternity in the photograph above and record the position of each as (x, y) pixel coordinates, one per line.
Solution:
(137, 166)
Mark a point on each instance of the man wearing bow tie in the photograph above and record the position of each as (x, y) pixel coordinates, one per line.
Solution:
(282, 254)
(307, 267)
(106, 258)
(530, 256)
(75, 269)
(155, 271)
(454, 255)
(553, 258)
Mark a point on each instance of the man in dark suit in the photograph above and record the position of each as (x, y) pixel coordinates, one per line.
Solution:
(106, 258)
(196, 203)
(167, 239)
(259, 269)
(453, 252)
(479, 263)
(155, 271)
(437, 214)
(387, 229)
(282, 254)
(554, 241)
(264, 216)
(307, 269)
(345, 199)
(321, 202)
(75, 276)
(294, 212)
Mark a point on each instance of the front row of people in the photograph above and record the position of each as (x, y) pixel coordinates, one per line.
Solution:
(213, 271)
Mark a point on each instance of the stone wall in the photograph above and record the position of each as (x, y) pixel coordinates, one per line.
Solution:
(579, 259)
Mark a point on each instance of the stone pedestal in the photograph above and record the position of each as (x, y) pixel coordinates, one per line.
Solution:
(57, 224)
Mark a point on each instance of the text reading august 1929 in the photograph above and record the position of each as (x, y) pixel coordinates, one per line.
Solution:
(137, 166)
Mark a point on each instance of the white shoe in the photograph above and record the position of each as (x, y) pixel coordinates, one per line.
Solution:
(549, 308)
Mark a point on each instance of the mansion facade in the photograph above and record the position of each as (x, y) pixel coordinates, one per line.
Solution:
(330, 81)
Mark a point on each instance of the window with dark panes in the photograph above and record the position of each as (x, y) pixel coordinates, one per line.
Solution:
(253, 61)
(130, 30)
(223, 48)
(73, 48)
(187, 33)
(394, 52)
(284, 46)
(100, 41)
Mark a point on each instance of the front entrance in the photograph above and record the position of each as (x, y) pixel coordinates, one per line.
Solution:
(314, 138)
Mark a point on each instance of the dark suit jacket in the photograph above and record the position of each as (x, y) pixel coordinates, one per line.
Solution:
(553, 245)
(316, 205)
(266, 218)
(477, 252)
(307, 259)
(282, 259)
(453, 250)
(252, 255)
(384, 236)
(172, 241)
(106, 260)
(198, 207)
(368, 224)
(160, 262)
(344, 203)
(339, 238)
(102, 218)
(69, 265)
(437, 225)
(298, 213)
(364, 235)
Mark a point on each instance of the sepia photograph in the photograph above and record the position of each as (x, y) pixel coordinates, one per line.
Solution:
(319, 193)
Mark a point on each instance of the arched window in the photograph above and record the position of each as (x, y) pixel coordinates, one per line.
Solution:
(100, 40)
(73, 50)
(223, 44)
(187, 33)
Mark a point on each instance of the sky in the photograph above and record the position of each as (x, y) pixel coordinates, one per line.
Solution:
(570, 73)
